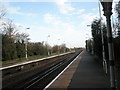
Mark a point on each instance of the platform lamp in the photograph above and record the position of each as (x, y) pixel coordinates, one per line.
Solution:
(48, 45)
(26, 54)
(107, 8)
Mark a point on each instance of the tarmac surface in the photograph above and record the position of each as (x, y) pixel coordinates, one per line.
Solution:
(83, 72)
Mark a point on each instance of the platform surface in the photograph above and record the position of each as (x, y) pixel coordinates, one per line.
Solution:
(84, 72)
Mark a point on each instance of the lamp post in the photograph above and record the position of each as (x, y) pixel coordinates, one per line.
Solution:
(107, 8)
(58, 45)
(64, 46)
(87, 42)
(47, 45)
(92, 46)
(103, 48)
(86, 45)
(26, 45)
(91, 39)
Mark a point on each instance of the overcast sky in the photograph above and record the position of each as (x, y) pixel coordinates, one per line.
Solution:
(66, 21)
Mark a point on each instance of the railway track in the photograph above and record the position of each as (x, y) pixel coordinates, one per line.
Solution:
(41, 79)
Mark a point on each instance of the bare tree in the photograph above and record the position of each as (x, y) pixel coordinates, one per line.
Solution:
(2, 11)
(9, 28)
(21, 37)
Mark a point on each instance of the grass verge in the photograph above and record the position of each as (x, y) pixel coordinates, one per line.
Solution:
(18, 60)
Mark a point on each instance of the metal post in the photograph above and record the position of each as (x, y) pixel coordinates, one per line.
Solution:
(110, 48)
(58, 47)
(26, 45)
(47, 45)
(103, 49)
(107, 8)
(87, 42)
(26, 48)
(64, 47)
(86, 46)
(92, 46)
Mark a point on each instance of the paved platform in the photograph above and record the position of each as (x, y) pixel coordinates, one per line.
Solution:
(83, 72)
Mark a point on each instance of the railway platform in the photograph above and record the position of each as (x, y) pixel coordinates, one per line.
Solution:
(83, 72)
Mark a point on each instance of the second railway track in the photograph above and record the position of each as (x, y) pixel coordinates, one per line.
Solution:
(45, 76)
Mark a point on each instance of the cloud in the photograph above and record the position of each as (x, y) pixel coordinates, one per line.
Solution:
(71, 36)
(70, 25)
(76, 30)
(63, 30)
(64, 6)
(95, 9)
(89, 17)
(16, 10)
(86, 19)
(51, 19)
(79, 11)
(13, 10)
(58, 22)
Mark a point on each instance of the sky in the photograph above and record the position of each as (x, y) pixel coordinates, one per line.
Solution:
(55, 22)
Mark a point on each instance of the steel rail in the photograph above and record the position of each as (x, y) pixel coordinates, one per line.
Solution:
(24, 63)
(49, 71)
